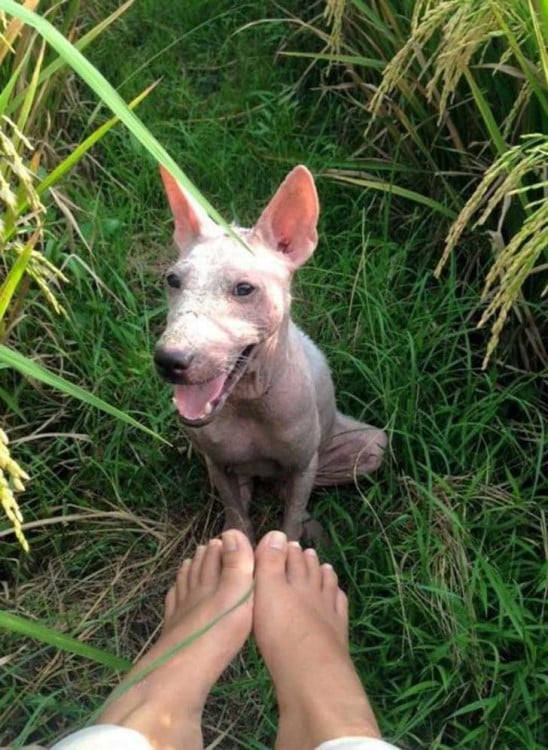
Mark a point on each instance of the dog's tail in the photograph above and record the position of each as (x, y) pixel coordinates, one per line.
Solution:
(355, 448)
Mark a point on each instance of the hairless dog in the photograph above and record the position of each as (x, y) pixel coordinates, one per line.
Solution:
(254, 392)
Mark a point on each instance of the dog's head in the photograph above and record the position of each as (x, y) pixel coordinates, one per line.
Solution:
(226, 300)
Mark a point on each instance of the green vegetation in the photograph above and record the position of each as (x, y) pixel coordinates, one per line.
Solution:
(463, 98)
(443, 553)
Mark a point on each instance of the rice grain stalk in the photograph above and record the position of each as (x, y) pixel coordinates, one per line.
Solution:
(27, 103)
(18, 258)
(515, 263)
(426, 23)
(516, 259)
(17, 183)
(465, 32)
(11, 480)
(334, 12)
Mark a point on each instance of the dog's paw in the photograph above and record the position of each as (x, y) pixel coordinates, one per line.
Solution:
(313, 533)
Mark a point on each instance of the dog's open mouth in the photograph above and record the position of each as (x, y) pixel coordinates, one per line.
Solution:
(198, 403)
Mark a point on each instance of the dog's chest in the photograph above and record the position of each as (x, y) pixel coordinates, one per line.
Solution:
(251, 445)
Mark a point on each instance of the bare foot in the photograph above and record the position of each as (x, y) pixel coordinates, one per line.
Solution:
(166, 705)
(300, 623)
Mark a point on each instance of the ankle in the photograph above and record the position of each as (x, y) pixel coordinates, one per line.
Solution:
(325, 727)
(323, 720)
(165, 728)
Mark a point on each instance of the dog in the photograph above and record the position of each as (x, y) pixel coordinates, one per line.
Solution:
(254, 392)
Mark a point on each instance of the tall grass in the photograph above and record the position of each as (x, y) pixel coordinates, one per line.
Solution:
(454, 95)
(26, 96)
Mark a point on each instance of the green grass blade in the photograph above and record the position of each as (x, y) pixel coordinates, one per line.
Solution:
(11, 282)
(113, 100)
(61, 169)
(486, 113)
(541, 23)
(490, 122)
(80, 44)
(102, 25)
(7, 91)
(388, 187)
(366, 62)
(527, 68)
(389, 31)
(74, 157)
(31, 369)
(39, 632)
(30, 92)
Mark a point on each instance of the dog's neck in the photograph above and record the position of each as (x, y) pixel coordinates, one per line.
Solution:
(267, 366)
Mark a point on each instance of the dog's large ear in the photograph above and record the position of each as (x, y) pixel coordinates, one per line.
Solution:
(191, 221)
(288, 223)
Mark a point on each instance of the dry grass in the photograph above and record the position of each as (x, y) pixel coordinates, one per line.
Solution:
(116, 605)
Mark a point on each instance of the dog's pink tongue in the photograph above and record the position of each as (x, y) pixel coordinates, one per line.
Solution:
(192, 401)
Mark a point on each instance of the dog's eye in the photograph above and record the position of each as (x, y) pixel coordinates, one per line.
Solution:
(173, 281)
(243, 289)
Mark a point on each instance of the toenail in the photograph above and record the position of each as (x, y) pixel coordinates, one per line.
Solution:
(311, 551)
(294, 543)
(230, 541)
(277, 540)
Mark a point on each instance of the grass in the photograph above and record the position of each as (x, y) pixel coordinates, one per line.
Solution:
(460, 99)
(442, 553)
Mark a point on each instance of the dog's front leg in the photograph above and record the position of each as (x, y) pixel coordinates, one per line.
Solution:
(235, 492)
(295, 492)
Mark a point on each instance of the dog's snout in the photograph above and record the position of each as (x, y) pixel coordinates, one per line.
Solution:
(172, 363)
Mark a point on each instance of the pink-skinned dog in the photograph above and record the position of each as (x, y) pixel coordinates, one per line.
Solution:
(254, 392)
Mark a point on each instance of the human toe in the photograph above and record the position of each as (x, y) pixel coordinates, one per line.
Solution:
(237, 559)
(296, 564)
(330, 584)
(170, 604)
(271, 555)
(210, 569)
(313, 568)
(182, 581)
(196, 566)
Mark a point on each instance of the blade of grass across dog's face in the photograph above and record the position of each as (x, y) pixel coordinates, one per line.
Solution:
(113, 100)
(31, 369)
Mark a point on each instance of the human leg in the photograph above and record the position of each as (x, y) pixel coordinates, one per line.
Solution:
(300, 623)
(166, 705)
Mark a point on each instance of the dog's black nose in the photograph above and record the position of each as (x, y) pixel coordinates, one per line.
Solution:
(172, 363)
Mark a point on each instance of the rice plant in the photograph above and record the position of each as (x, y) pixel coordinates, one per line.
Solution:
(28, 84)
(519, 257)
(461, 99)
